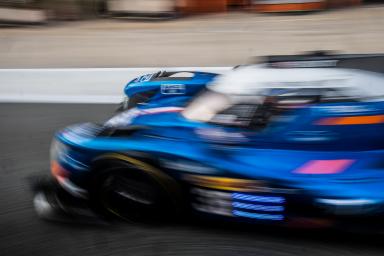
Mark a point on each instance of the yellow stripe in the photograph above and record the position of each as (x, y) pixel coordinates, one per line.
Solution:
(169, 184)
(223, 183)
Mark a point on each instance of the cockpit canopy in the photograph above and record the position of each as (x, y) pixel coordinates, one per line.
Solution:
(251, 96)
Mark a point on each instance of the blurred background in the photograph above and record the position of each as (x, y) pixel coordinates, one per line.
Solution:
(142, 33)
(43, 35)
(85, 9)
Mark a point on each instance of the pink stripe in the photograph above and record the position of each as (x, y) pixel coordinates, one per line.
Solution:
(325, 166)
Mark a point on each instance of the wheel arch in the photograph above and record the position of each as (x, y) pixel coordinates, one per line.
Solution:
(144, 163)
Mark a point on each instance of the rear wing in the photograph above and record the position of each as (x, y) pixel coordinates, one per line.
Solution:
(368, 62)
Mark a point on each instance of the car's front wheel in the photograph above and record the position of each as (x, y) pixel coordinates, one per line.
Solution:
(131, 195)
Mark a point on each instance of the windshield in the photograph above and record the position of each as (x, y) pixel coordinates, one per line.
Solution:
(223, 109)
(255, 111)
(206, 106)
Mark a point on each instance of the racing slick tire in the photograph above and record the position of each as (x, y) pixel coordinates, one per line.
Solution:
(127, 193)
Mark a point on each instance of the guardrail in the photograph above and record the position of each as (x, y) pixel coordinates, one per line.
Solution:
(83, 85)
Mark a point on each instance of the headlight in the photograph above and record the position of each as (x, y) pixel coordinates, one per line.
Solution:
(58, 150)
(61, 153)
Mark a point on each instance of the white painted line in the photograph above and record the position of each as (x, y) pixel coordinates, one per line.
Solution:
(76, 85)
(145, 69)
(111, 99)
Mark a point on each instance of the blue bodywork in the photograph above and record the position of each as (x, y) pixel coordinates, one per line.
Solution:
(169, 87)
(296, 168)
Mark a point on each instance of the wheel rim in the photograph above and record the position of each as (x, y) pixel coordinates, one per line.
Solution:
(128, 198)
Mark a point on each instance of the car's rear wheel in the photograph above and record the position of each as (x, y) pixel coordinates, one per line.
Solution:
(131, 195)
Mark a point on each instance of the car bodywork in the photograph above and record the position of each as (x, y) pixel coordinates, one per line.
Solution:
(175, 88)
(165, 88)
(283, 146)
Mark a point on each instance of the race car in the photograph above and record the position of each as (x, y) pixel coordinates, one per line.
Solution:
(172, 88)
(296, 146)
(176, 88)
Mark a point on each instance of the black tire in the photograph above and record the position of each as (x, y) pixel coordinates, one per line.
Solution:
(130, 194)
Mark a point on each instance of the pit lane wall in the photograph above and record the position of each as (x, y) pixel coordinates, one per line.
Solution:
(42, 12)
(84, 85)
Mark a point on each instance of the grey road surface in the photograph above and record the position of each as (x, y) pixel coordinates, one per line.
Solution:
(25, 133)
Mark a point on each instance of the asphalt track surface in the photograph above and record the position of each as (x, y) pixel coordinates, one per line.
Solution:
(25, 133)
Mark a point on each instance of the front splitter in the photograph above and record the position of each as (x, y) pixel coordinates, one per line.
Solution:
(53, 203)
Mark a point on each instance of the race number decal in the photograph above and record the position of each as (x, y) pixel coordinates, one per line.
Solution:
(144, 78)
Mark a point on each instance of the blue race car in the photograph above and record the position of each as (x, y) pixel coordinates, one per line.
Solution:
(176, 88)
(298, 146)
(165, 88)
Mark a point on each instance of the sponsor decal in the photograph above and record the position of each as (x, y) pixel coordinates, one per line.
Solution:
(174, 89)
(325, 166)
